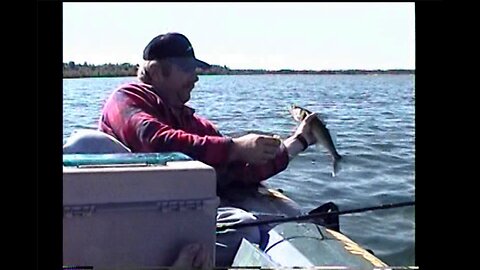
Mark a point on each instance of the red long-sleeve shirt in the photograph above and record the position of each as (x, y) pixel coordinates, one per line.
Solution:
(137, 116)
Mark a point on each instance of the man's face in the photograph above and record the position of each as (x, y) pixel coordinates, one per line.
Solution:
(181, 80)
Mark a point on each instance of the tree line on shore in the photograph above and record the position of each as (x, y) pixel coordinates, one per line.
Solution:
(74, 70)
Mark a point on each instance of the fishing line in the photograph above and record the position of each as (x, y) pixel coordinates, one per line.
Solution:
(312, 216)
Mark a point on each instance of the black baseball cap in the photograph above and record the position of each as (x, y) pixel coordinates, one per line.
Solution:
(171, 45)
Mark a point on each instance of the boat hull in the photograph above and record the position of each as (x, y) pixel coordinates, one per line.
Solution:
(291, 244)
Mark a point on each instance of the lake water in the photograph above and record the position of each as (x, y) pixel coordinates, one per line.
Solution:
(373, 121)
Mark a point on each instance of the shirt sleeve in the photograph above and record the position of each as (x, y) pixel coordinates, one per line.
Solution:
(132, 119)
(155, 136)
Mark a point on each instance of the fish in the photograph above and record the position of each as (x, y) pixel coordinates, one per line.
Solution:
(321, 133)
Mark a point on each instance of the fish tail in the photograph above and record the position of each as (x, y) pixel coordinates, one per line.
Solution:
(336, 165)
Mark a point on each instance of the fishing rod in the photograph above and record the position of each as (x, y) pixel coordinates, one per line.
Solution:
(312, 216)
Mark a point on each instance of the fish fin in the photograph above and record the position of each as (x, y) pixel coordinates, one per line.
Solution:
(337, 166)
(333, 135)
(321, 118)
(319, 146)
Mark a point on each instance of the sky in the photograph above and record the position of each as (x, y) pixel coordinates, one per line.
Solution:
(272, 36)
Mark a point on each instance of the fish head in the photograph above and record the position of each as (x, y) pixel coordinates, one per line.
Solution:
(298, 113)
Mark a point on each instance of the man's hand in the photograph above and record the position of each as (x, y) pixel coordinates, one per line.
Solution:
(305, 128)
(292, 144)
(254, 148)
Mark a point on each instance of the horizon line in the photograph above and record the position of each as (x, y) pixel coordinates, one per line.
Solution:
(281, 69)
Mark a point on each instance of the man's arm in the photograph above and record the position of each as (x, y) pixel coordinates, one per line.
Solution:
(151, 134)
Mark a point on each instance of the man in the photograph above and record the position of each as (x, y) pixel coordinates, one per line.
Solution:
(151, 116)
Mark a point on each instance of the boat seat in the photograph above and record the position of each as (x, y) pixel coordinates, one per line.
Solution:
(91, 141)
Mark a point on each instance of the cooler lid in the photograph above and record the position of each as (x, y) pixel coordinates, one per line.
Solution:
(75, 160)
(135, 177)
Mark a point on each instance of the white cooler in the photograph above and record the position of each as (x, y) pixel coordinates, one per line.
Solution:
(134, 216)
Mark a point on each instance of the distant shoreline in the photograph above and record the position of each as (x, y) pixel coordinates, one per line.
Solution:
(72, 70)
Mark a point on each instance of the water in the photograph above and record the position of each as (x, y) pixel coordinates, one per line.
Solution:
(373, 121)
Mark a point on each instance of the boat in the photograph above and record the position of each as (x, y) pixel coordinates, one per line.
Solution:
(96, 186)
(300, 243)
